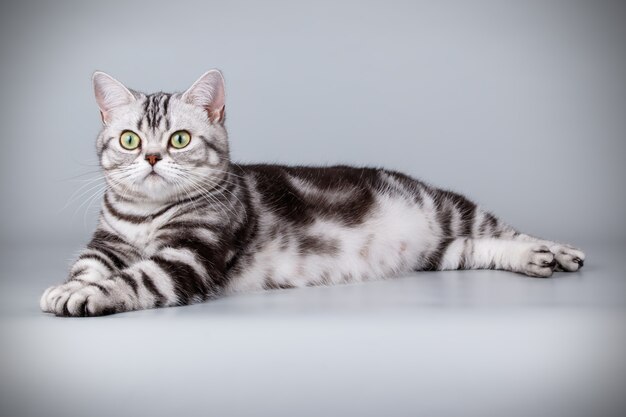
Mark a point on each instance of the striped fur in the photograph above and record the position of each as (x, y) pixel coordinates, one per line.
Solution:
(195, 226)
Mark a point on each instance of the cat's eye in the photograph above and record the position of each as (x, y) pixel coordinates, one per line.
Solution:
(129, 140)
(180, 139)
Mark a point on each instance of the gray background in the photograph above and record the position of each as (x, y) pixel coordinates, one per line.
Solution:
(519, 105)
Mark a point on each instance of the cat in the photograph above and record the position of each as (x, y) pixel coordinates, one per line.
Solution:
(180, 223)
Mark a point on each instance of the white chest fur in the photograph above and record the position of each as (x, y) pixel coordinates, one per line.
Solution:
(138, 226)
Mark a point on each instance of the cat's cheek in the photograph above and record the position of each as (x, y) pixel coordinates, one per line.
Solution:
(213, 158)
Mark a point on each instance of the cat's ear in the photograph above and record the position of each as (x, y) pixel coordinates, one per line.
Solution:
(208, 93)
(110, 94)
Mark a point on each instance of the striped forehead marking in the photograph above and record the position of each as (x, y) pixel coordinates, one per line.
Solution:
(155, 111)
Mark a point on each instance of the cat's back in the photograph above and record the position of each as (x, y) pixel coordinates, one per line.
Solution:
(303, 194)
(324, 177)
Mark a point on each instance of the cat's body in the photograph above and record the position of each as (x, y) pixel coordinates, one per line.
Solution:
(183, 224)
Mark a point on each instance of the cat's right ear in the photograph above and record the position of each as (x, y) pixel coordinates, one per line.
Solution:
(110, 94)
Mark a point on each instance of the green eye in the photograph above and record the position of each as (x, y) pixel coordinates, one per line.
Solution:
(129, 140)
(180, 139)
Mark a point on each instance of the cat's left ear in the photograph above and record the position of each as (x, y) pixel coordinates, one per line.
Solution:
(208, 93)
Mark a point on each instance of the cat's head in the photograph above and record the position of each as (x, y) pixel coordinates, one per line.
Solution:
(162, 147)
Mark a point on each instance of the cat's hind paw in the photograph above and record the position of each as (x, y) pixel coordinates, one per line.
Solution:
(568, 258)
(539, 262)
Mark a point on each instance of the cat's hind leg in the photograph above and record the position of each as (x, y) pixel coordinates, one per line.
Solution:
(525, 257)
(568, 258)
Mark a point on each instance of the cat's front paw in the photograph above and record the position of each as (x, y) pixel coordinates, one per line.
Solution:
(55, 297)
(538, 261)
(568, 258)
(80, 299)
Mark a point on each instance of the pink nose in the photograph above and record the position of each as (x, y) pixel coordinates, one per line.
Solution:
(153, 158)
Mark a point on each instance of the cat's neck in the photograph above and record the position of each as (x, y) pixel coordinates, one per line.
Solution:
(136, 204)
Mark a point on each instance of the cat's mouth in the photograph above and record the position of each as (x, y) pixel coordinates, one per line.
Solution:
(153, 175)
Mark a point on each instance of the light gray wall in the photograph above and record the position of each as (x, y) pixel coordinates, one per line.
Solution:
(520, 105)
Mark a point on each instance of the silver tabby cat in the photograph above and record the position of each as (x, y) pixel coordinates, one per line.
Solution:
(181, 223)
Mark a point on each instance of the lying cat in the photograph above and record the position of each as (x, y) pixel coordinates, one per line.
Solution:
(181, 223)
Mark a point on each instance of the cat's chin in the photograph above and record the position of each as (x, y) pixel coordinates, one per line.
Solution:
(155, 187)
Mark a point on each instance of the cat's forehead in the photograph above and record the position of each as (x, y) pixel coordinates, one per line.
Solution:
(157, 112)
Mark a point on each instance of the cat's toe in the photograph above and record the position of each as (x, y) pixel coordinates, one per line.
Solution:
(93, 301)
(44, 300)
(88, 302)
(76, 305)
(53, 298)
(540, 262)
(99, 305)
(569, 258)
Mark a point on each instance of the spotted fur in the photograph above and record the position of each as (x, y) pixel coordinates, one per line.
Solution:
(194, 226)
